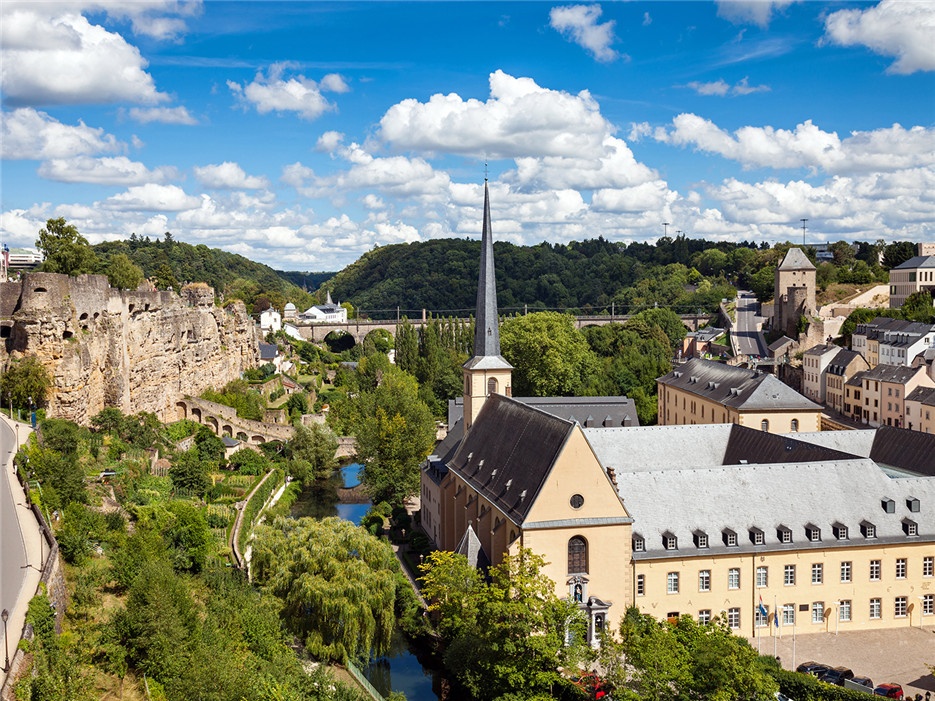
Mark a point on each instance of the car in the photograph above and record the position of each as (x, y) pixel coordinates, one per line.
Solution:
(836, 676)
(865, 682)
(890, 691)
(782, 697)
(813, 668)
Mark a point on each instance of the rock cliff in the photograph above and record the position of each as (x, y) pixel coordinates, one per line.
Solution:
(136, 350)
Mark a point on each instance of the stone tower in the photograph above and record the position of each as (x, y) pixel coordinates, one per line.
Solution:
(794, 292)
(486, 372)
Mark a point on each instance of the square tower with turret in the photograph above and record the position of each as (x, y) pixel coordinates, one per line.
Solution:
(794, 292)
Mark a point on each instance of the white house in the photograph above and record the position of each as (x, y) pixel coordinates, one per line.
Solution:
(329, 312)
(270, 321)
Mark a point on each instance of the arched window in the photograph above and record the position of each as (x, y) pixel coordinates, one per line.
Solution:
(577, 555)
(795, 425)
(491, 386)
(764, 425)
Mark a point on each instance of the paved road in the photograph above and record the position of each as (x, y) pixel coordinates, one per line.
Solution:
(749, 340)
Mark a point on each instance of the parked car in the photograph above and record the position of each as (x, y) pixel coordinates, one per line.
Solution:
(890, 691)
(836, 676)
(865, 682)
(782, 697)
(813, 668)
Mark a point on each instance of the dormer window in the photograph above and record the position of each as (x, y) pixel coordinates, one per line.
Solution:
(868, 530)
(889, 506)
(756, 536)
(912, 504)
(669, 541)
(812, 532)
(839, 530)
(639, 544)
(910, 527)
(784, 534)
(701, 539)
(730, 538)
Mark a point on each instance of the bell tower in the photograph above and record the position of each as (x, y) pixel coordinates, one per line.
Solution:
(487, 372)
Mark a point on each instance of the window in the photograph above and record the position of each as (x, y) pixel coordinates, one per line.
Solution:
(730, 538)
(756, 536)
(704, 580)
(813, 532)
(577, 555)
(818, 574)
(639, 545)
(788, 614)
(733, 618)
(795, 425)
(900, 605)
(701, 539)
(869, 530)
(928, 604)
(640, 584)
(704, 616)
(928, 566)
(875, 570)
(764, 425)
(901, 568)
(784, 534)
(762, 575)
(759, 619)
(875, 608)
(788, 575)
(840, 531)
(672, 583)
(669, 541)
(818, 612)
(491, 386)
(911, 528)
(845, 571)
(733, 578)
(844, 610)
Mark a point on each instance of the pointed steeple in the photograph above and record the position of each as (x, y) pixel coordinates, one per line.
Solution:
(328, 300)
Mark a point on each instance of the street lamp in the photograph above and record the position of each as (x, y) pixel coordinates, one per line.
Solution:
(6, 665)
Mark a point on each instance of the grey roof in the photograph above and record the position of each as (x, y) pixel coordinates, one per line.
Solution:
(587, 411)
(856, 380)
(917, 262)
(709, 333)
(897, 374)
(856, 443)
(926, 395)
(736, 387)
(268, 351)
(229, 442)
(840, 362)
(471, 548)
(487, 324)
(903, 449)
(796, 260)
(769, 496)
(508, 453)
(821, 349)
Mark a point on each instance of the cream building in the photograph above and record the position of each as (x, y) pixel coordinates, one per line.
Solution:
(884, 390)
(843, 366)
(915, 275)
(814, 362)
(920, 410)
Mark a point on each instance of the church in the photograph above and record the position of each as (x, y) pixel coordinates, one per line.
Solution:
(824, 531)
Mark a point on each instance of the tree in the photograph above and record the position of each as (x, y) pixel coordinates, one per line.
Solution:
(550, 357)
(25, 379)
(920, 307)
(189, 473)
(315, 446)
(450, 584)
(395, 432)
(210, 448)
(64, 249)
(898, 253)
(123, 273)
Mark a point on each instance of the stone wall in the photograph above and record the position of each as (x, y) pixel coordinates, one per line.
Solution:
(135, 350)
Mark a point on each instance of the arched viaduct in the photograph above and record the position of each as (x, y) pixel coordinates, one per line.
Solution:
(359, 329)
(223, 420)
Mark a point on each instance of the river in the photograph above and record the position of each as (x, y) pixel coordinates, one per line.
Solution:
(399, 670)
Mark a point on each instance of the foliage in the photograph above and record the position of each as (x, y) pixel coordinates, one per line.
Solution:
(315, 446)
(210, 448)
(249, 462)
(141, 430)
(238, 395)
(64, 249)
(919, 307)
(123, 273)
(550, 357)
(805, 687)
(59, 473)
(23, 379)
(254, 505)
(336, 583)
(80, 528)
(897, 253)
(189, 473)
(451, 585)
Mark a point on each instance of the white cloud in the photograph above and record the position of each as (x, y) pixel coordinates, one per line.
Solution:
(395, 175)
(758, 12)
(228, 175)
(333, 82)
(274, 93)
(373, 202)
(900, 28)
(152, 198)
(330, 141)
(118, 170)
(28, 134)
(296, 174)
(163, 115)
(75, 63)
(646, 197)
(806, 146)
(722, 88)
(579, 23)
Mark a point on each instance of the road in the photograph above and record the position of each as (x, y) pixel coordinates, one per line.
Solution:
(750, 341)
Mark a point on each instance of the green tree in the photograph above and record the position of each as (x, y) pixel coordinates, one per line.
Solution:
(550, 357)
(24, 380)
(451, 585)
(316, 446)
(189, 473)
(123, 273)
(920, 307)
(210, 448)
(898, 253)
(64, 249)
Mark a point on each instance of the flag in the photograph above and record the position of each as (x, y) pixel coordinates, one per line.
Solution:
(762, 609)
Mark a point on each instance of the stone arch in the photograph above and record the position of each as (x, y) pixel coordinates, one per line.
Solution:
(182, 411)
(196, 414)
(227, 430)
(213, 423)
(340, 340)
(241, 436)
(257, 440)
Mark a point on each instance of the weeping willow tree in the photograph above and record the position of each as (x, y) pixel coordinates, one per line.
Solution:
(337, 584)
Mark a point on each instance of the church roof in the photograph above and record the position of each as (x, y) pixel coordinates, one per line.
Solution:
(471, 548)
(509, 452)
(590, 412)
(904, 449)
(796, 260)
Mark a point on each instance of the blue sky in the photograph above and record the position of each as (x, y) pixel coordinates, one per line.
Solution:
(303, 134)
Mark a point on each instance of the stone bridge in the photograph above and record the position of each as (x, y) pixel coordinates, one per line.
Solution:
(359, 328)
(223, 420)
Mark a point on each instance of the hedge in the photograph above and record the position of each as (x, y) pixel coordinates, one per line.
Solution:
(254, 506)
(805, 687)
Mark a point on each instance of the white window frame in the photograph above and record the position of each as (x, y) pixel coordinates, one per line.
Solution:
(818, 612)
(876, 570)
(704, 617)
(788, 575)
(641, 585)
(762, 576)
(733, 578)
(788, 614)
(876, 609)
(928, 566)
(733, 618)
(672, 583)
(844, 610)
(846, 569)
(704, 580)
(901, 607)
(818, 573)
(902, 567)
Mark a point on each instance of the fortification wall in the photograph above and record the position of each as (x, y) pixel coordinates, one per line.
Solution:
(135, 350)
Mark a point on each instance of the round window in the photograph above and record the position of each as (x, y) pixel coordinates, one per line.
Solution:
(576, 501)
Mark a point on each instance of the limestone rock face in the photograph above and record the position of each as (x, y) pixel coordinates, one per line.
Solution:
(136, 350)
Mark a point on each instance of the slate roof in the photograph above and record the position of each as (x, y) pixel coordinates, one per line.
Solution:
(856, 443)
(917, 262)
(903, 449)
(897, 374)
(926, 395)
(471, 548)
(839, 363)
(736, 387)
(748, 446)
(588, 411)
(268, 351)
(509, 452)
(821, 349)
(796, 260)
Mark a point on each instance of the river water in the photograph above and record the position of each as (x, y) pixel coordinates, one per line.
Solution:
(400, 669)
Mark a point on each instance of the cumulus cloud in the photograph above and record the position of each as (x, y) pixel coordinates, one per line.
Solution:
(334, 82)
(118, 170)
(899, 28)
(758, 12)
(163, 115)
(28, 134)
(329, 142)
(228, 176)
(579, 23)
(275, 93)
(152, 198)
(721, 88)
(53, 56)
(395, 175)
(806, 146)
(296, 174)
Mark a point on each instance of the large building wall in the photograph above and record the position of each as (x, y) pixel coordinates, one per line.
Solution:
(134, 350)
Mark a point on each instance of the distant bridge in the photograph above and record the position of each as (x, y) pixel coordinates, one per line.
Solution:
(359, 328)
(223, 420)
